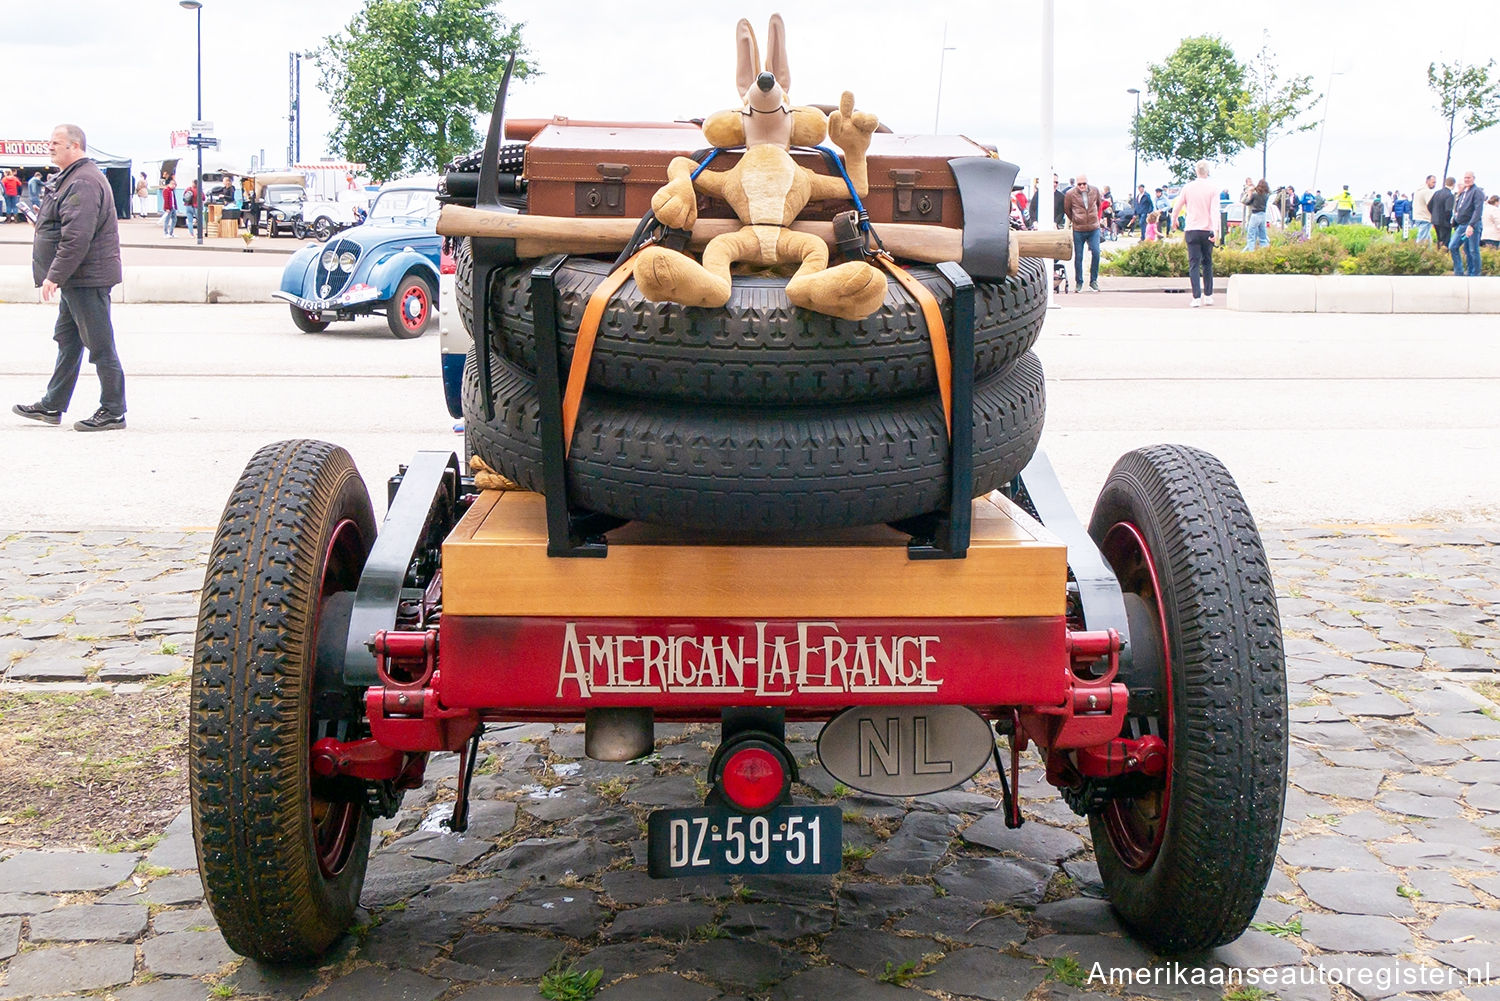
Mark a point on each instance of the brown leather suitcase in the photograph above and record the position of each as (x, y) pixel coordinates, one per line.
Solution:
(612, 171)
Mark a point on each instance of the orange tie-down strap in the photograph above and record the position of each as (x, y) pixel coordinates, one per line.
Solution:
(583, 347)
(937, 333)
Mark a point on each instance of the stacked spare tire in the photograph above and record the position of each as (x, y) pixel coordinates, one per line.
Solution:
(759, 417)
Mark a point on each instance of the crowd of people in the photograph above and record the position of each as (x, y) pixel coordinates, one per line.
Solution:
(1457, 215)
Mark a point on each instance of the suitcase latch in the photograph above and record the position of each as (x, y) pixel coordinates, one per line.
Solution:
(605, 196)
(914, 204)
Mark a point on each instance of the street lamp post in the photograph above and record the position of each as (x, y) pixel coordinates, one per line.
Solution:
(195, 5)
(1135, 147)
(942, 58)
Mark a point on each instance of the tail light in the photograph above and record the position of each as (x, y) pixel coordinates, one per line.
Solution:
(754, 777)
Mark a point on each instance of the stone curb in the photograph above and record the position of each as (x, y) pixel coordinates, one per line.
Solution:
(1363, 294)
(164, 284)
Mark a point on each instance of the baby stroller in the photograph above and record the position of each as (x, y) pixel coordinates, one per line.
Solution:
(1059, 277)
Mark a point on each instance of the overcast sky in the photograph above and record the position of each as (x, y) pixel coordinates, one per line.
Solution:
(125, 72)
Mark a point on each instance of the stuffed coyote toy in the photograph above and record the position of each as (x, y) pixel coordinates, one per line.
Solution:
(767, 190)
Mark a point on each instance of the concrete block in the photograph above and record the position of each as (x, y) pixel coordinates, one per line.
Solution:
(1484, 294)
(165, 284)
(246, 284)
(1429, 294)
(1274, 293)
(1353, 293)
(16, 286)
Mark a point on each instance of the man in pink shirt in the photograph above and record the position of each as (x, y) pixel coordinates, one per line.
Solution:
(1200, 200)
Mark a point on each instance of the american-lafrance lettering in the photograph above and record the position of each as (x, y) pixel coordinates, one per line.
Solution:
(777, 659)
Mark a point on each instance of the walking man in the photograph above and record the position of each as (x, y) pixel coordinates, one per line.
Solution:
(1082, 207)
(1421, 209)
(1144, 206)
(76, 256)
(1200, 200)
(1441, 207)
(1344, 203)
(1468, 225)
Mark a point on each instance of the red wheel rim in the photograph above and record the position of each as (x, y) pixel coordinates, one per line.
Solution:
(414, 299)
(1137, 825)
(335, 822)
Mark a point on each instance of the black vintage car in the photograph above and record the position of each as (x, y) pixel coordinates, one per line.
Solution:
(282, 209)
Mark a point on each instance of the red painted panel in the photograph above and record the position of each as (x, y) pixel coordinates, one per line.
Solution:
(548, 664)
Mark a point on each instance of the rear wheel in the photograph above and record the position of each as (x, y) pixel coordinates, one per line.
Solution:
(410, 309)
(307, 322)
(323, 228)
(282, 855)
(1185, 858)
(299, 229)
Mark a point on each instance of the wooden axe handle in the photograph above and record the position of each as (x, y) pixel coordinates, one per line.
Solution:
(538, 236)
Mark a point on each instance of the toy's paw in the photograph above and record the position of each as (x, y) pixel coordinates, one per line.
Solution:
(851, 129)
(676, 204)
(666, 276)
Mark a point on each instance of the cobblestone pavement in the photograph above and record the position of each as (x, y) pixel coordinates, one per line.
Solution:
(1388, 879)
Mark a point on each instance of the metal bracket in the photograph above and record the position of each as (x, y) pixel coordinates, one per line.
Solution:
(604, 197)
(488, 253)
(1099, 595)
(569, 532)
(944, 535)
(420, 515)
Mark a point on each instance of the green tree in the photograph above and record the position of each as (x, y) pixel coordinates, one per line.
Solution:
(1189, 114)
(1271, 106)
(406, 79)
(1467, 98)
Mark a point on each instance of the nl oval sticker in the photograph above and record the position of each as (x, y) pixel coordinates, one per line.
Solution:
(905, 751)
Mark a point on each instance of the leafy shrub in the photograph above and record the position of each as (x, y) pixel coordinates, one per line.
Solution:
(1158, 259)
(1318, 256)
(1389, 257)
(1489, 262)
(1355, 238)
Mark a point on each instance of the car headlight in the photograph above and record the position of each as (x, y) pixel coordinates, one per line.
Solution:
(347, 261)
(330, 261)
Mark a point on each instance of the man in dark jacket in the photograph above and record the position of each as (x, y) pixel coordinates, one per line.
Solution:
(1441, 207)
(76, 252)
(1143, 207)
(1468, 226)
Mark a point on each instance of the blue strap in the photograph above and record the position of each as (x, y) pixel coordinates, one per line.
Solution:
(837, 163)
(706, 161)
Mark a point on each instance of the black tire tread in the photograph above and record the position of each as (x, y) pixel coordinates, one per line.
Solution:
(759, 349)
(748, 470)
(1230, 712)
(252, 681)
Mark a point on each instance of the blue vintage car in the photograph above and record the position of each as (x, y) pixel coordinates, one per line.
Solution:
(386, 265)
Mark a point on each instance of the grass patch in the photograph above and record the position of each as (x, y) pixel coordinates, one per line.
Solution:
(857, 853)
(570, 983)
(1247, 993)
(1280, 930)
(1409, 892)
(903, 974)
(1066, 970)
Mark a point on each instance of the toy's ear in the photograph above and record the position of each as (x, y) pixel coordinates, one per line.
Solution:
(724, 129)
(776, 60)
(748, 67)
(809, 126)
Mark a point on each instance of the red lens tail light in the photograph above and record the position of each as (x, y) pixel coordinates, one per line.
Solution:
(754, 778)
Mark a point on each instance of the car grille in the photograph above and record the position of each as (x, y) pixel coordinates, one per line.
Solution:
(331, 283)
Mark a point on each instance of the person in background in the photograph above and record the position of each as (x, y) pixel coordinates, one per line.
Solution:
(34, 188)
(1468, 226)
(1442, 212)
(142, 192)
(1059, 217)
(1343, 203)
(1377, 212)
(1144, 206)
(1255, 223)
(1164, 215)
(190, 206)
(1200, 202)
(1491, 235)
(11, 185)
(1036, 199)
(1083, 206)
(1421, 210)
(75, 256)
(1151, 218)
(169, 205)
(1401, 210)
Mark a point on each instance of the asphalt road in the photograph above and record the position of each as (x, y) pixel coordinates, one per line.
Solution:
(1320, 417)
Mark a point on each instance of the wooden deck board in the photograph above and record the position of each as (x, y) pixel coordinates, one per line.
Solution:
(495, 563)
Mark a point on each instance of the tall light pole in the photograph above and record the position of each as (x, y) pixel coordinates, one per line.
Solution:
(196, 6)
(1327, 96)
(1135, 146)
(942, 57)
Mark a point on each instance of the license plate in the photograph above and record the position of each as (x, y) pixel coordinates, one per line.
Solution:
(789, 840)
